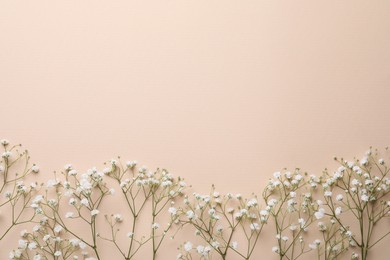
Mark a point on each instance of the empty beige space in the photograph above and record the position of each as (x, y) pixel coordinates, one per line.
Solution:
(219, 92)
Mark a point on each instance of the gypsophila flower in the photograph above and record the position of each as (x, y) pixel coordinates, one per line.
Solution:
(328, 194)
(188, 246)
(155, 226)
(69, 214)
(32, 245)
(338, 211)
(57, 229)
(35, 169)
(254, 226)
(94, 212)
(172, 211)
(320, 213)
(84, 202)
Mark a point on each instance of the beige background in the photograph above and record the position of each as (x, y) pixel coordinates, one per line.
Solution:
(222, 92)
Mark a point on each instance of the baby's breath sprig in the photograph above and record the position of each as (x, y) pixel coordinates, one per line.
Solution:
(15, 194)
(218, 220)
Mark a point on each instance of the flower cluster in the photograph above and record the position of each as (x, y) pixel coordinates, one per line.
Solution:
(338, 214)
(141, 188)
(290, 204)
(357, 195)
(15, 193)
(218, 220)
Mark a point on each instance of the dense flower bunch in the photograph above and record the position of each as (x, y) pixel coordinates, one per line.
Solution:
(291, 208)
(57, 235)
(218, 220)
(336, 215)
(141, 188)
(356, 196)
(46, 241)
(15, 194)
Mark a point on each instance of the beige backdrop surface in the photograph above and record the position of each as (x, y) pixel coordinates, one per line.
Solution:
(222, 92)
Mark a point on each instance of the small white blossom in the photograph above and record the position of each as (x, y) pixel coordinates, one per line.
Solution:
(188, 246)
(320, 213)
(94, 212)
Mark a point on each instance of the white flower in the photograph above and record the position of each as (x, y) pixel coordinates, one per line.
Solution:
(69, 214)
(155, 226)
(22, 244)
(57, 253)
(68, 167)
(118, 217)
(85, 184)
(215, 244)
(15, 254)
(354, 256)
(23, 233)
(252, 203)
(298, 177)
(188, 246)
(264, 213)
(293, 227)
(46, 237)
(172, 210)
(4, 142)
(35, 169)
(72, 172)
(7, 154)
(131, 164)
(82, 245)
(355, 182)
(200, 249)
(328, 194)
(254, 226)
(275, 249)
(57, 229)
(37, 257)
(36, 228)
(364, 161)
(94, 212)
(321, 226)
(272, 202)
(219, 228)
(339, 197)
(211, 212)
(338, 211)
(277, 175)
(84, 202)
(320, 213)
(74, 242)
(315, 244)
(191, 215)
(32, 245)
(302, 222)
(364, 197)
(51, 183)
(234, 245)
